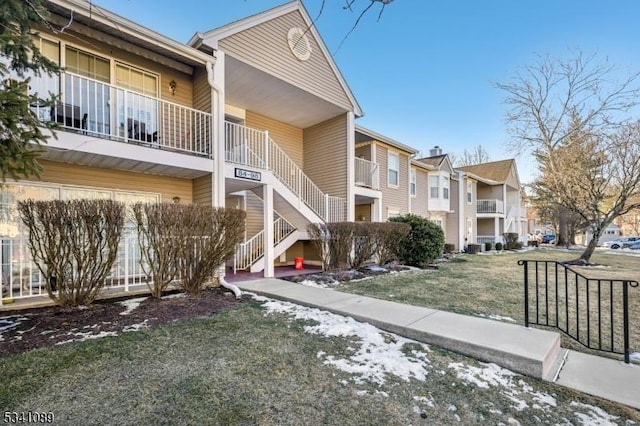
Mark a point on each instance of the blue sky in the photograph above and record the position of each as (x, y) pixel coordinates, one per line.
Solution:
(424, 72)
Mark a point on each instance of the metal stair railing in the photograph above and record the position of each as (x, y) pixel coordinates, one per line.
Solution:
(255, 148)
(252, 250)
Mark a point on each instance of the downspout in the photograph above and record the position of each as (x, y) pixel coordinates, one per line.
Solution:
(219, 160)
(462, 210)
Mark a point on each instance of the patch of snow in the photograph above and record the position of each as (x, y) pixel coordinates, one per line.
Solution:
(361, 392)
(136, 327)
(131, 304)
(87, 336)
(513, 421)
(172, 296)
(378, 354)
(594, 415)
(376, 268)
(426, 400)
(497, 317)
(310, 283)
(9, 322)
(491, 375)
(634, 356)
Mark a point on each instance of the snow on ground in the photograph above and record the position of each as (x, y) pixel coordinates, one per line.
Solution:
(379, 353)
(512, 387)
(81, 337)
(311, 283)
(497, 317)
(131, 304)
(9, 322)
(634, 356)
(594, 415)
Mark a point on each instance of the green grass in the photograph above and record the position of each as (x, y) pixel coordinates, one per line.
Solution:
(242, 367)
(488, 285)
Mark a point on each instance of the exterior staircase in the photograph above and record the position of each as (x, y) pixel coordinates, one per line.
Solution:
(296, 196)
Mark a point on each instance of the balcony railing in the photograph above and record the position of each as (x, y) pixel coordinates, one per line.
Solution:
(367, 173)
(490, 206)
(99, 109)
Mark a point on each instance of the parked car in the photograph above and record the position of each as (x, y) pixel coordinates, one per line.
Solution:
(621, 243)
(548, 238)
(635, 246)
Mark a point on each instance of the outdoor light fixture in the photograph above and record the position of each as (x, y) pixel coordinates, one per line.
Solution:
(176, 199)
(172, 87)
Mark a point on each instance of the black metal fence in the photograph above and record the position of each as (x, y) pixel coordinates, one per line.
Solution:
(593, 311)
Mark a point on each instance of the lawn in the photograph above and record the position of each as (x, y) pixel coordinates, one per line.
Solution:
(269, 362)
(492, 285)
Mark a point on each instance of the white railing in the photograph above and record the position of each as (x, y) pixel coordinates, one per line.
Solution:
(252, 250)
(103, 110)
(20, 277)
(254, 148)
(481, 239)
(367, 173)
(490, 206)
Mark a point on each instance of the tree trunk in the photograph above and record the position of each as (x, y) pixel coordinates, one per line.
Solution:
(562, 239)
(586, 254)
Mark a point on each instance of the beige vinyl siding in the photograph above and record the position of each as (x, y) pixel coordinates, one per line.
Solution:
(325, 155)
(73, 174)
(255, 218)
(202, 188)
(265, 46)
(201, 90)
(420, 203)
(296, 250)
(393, 199)
(287, 137)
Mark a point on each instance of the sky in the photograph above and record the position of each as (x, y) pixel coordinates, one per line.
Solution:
(424, 72)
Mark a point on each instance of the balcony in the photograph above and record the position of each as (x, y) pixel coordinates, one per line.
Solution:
(490, 207)
(367, 174)
(105, 111)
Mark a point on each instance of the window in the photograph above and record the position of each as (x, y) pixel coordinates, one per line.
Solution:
(445, 188)
(469, 192)
(393, 169)
(142, 107)
(434, 186)
(88, 65)
(392, 213)
(412, 183)
(437, 222)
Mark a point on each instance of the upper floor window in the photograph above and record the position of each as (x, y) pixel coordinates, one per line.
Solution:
(393, 169)
(445, 188)
(434, 186)
(87, 65)
(412, 183)
(469, 192)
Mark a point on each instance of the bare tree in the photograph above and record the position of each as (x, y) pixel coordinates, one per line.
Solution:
(477, 155)
(555, 99)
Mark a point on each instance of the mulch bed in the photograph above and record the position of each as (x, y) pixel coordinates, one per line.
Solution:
(332, 279)
(28, 329)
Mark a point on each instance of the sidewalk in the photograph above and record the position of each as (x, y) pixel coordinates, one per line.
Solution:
(529, 351)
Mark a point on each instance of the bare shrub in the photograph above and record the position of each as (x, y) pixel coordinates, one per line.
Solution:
(319, 235)
(387, 240)
(363, 244)
(340, 244)
(159, 230)
(209, 238)
(74, 244)
(185, 243)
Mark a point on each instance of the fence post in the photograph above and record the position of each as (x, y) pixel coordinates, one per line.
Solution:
(126, 263)
(625, 314)
(326, 208)
(266, 150)
(525, 263)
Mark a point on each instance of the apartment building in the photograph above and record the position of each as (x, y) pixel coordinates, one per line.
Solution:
(253, 115)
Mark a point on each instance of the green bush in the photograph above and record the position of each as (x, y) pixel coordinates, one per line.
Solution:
(511, 241)
(487, 246)
(423, 244)
(498, 246)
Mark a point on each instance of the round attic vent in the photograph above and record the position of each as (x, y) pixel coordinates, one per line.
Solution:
(299, 43)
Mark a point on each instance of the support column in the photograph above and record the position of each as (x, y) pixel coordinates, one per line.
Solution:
(351, 174)
(269, 257)
(376, 210)
(496, 231)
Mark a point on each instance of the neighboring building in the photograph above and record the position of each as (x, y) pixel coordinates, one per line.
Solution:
(611, 233)
(500, 205)
(253, 115)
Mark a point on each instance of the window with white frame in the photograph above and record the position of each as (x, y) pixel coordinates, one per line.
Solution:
(469, 192)
(412, 183)
(392, 213)
(434, 186)
(445, 188)
(393, 169)
(437, 222)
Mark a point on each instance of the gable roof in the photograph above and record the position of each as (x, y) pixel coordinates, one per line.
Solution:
(252, 21)
(435, 161)
(381, 138)
(497, 171)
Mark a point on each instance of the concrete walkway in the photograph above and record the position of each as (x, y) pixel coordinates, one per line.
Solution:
(529, 351)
